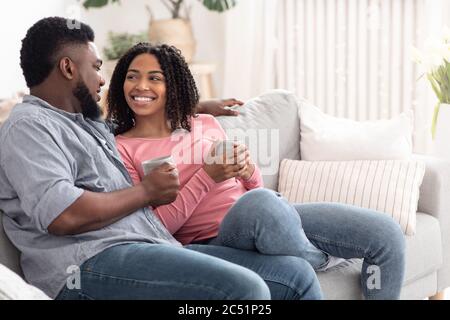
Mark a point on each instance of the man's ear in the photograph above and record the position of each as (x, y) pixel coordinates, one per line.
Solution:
(67, 68)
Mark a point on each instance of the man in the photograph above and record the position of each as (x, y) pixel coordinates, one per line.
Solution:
(71, 209)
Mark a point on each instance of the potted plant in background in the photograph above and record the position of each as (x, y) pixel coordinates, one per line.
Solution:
(177, 30)
(435, 60)
(118, 44)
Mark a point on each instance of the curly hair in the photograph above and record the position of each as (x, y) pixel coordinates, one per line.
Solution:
(43, 42)
(182, 92)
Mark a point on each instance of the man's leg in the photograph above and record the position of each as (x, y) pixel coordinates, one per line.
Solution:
(352, 232)
(288, 278)
(261, 220)
(160, 272)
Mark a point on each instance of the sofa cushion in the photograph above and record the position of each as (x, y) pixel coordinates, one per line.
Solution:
(270, 127)
(423, 258)
(386, 186)
(324, 137)
(9, 255)
(12, 287)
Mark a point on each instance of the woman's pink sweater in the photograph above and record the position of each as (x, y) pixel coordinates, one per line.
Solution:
(202, 204)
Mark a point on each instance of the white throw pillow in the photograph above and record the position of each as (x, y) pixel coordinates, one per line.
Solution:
(269, 125)
(324, 137)
(13, 287)
(383, 185)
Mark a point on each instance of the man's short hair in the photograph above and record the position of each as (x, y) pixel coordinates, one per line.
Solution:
(43, 42)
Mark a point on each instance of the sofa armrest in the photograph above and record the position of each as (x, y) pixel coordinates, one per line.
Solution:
(435, 189)
(435, 200)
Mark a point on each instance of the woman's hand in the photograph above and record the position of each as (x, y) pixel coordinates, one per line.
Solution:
(224, 167)
(218, 108)
(249, 168)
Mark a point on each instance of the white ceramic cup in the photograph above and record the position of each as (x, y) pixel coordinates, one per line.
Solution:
(149, 165)
(226, 147)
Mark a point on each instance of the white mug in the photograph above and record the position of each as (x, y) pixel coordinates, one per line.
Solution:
(226, 147)
(149, 165)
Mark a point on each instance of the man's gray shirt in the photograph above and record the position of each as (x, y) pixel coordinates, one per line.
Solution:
(48, 158)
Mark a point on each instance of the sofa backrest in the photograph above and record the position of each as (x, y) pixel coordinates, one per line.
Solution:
(273, 119)
(9, 255)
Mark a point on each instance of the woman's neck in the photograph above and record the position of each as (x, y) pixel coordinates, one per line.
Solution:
(151, 127)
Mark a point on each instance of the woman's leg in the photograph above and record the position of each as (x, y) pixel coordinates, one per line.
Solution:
(261, 220)
(352, 232)
(144, 271)
(288, 278)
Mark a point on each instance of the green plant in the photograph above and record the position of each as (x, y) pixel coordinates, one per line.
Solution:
(174, 6)
(435, 61)
(119, 43)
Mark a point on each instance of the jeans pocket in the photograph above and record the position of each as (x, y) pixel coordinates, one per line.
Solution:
(89, 264)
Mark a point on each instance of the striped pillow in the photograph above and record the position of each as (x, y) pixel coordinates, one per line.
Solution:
(388, 186)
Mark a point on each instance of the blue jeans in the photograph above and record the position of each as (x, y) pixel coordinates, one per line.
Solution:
(263, 221)
(143, 271)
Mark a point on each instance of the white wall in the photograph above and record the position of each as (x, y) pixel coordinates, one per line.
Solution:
(17, 16)
(15, 19)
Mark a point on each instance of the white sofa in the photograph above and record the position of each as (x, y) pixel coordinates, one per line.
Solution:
(428, 252)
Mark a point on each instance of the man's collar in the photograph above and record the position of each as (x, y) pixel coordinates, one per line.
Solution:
(42, 103)
(74, 116)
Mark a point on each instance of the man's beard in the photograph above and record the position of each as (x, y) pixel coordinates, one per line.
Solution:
(89, 106)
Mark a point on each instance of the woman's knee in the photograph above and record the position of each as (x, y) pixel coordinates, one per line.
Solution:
(255, 204)
(266, 202)
(389, 234)
(396, 236)
(264, 208)
(260, 195)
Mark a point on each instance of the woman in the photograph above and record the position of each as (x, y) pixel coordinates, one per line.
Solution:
(152, 101)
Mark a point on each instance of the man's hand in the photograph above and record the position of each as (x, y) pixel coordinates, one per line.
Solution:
(218, 108)
(162, 185)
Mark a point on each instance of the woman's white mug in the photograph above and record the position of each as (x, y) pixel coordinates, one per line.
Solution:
(149, 165)
(224, 151)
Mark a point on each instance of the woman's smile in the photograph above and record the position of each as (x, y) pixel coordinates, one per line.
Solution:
(142, 100)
